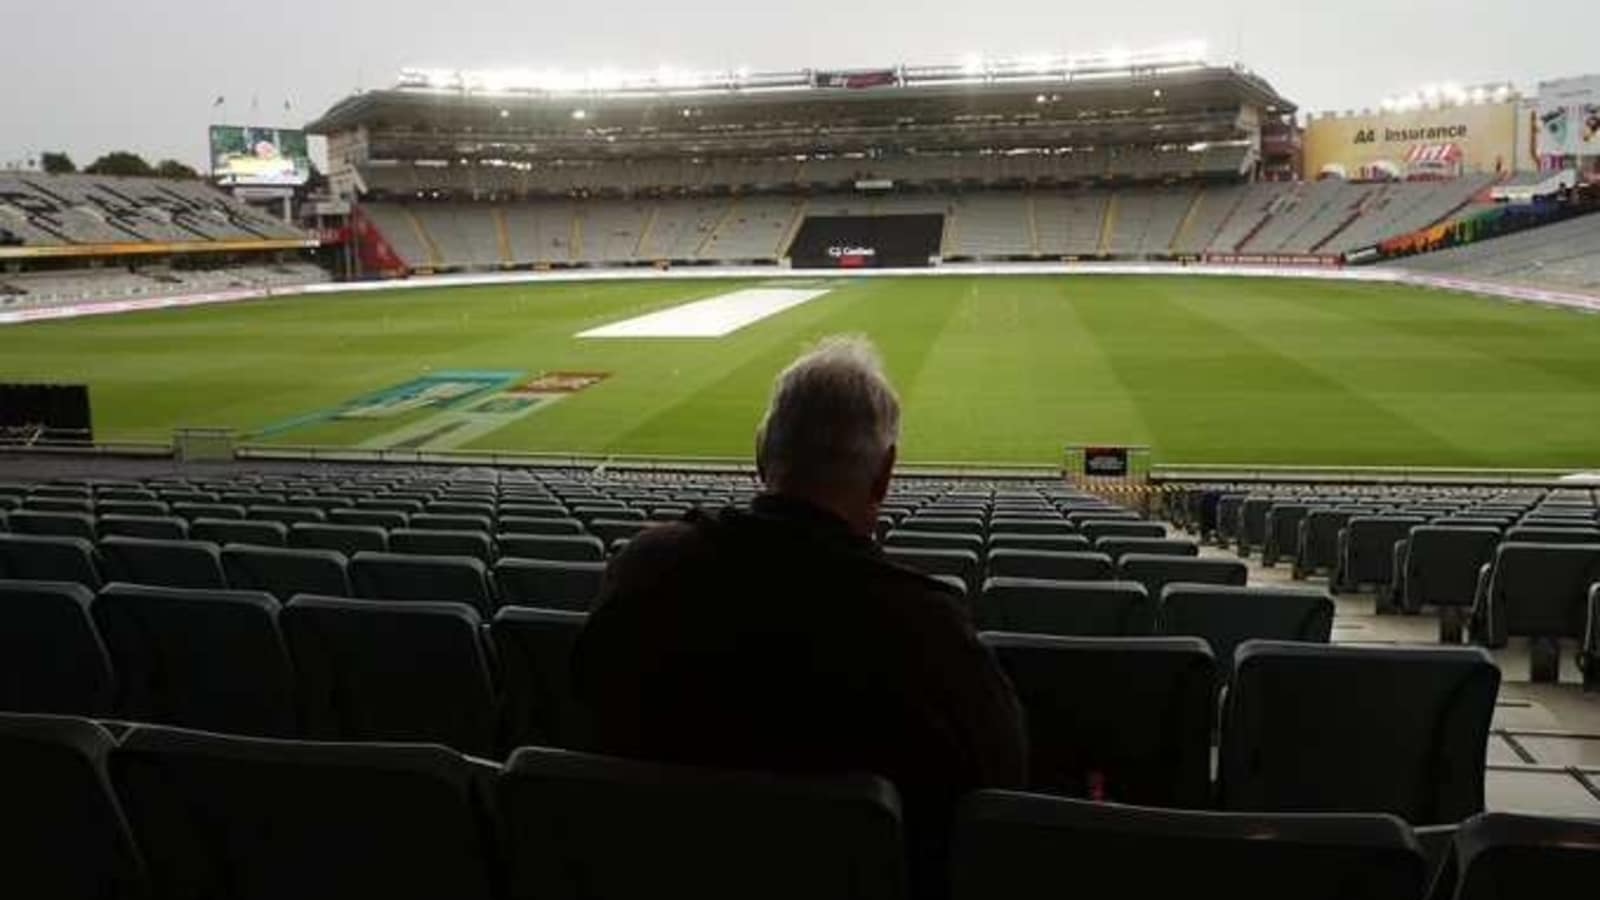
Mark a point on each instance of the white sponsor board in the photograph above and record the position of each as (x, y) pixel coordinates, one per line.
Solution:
(1383, 275)
(715, 317)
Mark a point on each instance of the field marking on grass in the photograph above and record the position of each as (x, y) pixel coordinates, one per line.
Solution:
(715, 317)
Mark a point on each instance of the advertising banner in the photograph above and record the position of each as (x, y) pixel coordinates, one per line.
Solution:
(1420, 143)
(866, 242)
(1569, 117)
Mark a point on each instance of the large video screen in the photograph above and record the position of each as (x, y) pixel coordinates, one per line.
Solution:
(866, 242)
(246, 155)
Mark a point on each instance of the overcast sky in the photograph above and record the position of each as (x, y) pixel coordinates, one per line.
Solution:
(95, 75)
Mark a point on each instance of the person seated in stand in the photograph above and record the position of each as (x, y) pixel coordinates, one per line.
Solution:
(778, 637)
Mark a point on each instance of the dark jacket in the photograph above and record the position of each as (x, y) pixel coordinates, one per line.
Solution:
(774, 638)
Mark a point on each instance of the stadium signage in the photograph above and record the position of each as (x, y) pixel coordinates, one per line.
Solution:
(1411, 135)
(1105, 462)
(840, 252)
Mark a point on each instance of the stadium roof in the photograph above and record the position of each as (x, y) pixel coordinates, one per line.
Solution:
(1123, 100)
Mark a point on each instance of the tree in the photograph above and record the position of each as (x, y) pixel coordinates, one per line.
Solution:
(57, 163)
(120, 162)
(171, 168)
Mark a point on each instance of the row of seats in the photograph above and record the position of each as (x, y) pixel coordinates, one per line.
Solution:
(99, 813)
(321, 667)
(1119, 718)
(1524, 565)
(551, 579)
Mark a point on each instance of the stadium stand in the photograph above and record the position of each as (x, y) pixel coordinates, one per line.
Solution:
(57, 210)
(1561, 255)
(1306, 730)
(1130, 223)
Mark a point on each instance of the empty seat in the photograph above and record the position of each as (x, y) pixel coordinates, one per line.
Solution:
(249, 819)
(1281, 531)
(346, 539)
(475, 544)
(288, 515)
(239, 531)
(150, 507)
(553, 584)
(51, 656)
(963, 564)
(1538, 591)
(398, 576)
(462, 507)
(1156, 572)
(59, 504)
(436, 522)
(1500, 856)
(1124, 720)
(1058, 566)
(1021, 525)
(1118, 547)
(1253, 523)
(193, 511)
(539, 525)
(1095, 529)
(571, 547)
(1310, 728)
(1061, 543)
(1366, 551)
(1523, 534)
(612, 530)
(578, 825)
(284, 573)
(51, 524)
(1226, 526)
(158, 527)
(534, 650)
(1225, 617)
(379, 671)
(1439, 566)
(40, 558)
(1102, 514)
(185, 564)
(376, 518)
(933, 540)
(206, 659)
(946, 524)
(65, 835)
(1011, 846)
(1084, 608)
(1317, 548)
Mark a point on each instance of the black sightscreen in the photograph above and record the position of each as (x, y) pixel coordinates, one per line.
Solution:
(45, 413)
(866, 242)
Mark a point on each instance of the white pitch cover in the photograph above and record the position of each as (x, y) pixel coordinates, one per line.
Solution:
(713, 317)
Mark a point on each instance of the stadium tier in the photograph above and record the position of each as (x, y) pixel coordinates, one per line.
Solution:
(1562, 255)
(40, 214)
(28, 290)
(1139, 222)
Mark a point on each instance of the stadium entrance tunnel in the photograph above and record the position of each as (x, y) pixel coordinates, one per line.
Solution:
(866, 242)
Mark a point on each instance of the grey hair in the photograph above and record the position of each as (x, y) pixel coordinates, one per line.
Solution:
(833, 418)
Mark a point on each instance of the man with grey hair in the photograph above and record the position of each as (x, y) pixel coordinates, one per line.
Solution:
(779, 637)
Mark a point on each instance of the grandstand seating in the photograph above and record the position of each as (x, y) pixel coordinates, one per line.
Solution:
(1045, 221)
(1305, 727)
(29, 290)
(55, 210)
(578, 825)
(1142, 735)
(1559, 256)
(1357, 729)
(1012, 846)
